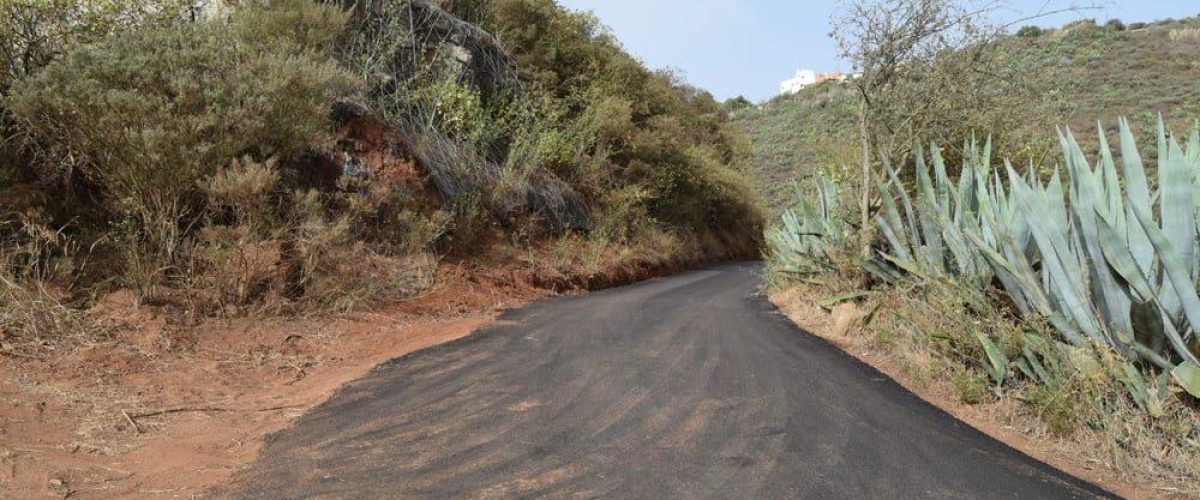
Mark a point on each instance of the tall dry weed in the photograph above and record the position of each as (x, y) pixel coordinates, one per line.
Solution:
(37, 264)
(1185, 35)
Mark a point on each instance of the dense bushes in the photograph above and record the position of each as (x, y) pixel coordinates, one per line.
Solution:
(34, 33)
(563, 123)
(647, 128)
(189, 149)
(195, 157)
(150, 113)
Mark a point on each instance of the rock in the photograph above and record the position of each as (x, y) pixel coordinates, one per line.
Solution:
(845, 316)
(484, 64)
(431, 37)
(59, 487)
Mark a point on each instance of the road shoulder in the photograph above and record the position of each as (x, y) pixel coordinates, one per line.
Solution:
(1001, 420)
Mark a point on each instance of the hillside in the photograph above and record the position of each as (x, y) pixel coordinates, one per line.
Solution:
(329, 133)
(1088, 72)
(213, 213)
(1012, 298)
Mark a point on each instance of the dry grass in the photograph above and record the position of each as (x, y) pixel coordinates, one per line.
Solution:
(1185, 34)
(34, 315)
(32, 320)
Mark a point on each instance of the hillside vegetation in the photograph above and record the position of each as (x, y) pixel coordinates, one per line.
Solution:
(298, 155)
(1080, 75)
(1048, 278)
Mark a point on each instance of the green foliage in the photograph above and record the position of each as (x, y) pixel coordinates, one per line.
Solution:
(1030, 31)
(1148, 392)
(149, 113)
(634, 127)
(813, 129)
(562, 52)
(1086, 255)
(1103, 258)
(972, 388)
(1074, 76)
(290, 25)
(188, 145)
(564, 125)
(35, 32)
(147, 121)
(1058, 408)
(735, 104)
(810, 239)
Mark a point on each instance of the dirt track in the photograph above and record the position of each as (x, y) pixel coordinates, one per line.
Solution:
(690, 386)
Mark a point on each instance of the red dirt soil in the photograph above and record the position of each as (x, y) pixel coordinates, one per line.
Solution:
(160, 411)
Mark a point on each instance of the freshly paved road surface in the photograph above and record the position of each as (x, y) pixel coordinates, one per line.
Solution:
(686, 387)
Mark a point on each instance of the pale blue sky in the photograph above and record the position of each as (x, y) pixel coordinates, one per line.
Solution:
(747, 47)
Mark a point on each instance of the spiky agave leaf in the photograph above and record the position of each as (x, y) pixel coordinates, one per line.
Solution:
(1187, 374)
(1180, 281)
(1178, 219)
(1065, 277)
(1137, 191)
(1088, 199)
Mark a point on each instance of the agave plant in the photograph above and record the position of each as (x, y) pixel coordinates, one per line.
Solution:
(809, 235)
(929, 239)
(1087, 255)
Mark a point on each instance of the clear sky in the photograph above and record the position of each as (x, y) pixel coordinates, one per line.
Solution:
(746, 47)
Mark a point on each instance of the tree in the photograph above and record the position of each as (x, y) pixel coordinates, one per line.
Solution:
(735, 104)
(927, 67)
(887, 40)
(1030, 31)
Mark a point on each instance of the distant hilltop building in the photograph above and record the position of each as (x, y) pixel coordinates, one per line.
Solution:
(807, 77)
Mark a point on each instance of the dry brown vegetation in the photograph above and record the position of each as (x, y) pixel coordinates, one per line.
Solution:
(1075, 76)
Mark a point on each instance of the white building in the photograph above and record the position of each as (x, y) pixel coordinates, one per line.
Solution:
(807, 77)
(803, 78)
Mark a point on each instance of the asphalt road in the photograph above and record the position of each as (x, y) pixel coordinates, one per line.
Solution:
(686, 387)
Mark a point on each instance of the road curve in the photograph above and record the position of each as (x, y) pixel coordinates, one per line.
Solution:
(686, 387)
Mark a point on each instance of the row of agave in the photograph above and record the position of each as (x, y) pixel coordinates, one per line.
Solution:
(809, 235)
(1087, 254)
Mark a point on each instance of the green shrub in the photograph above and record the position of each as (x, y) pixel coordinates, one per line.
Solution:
(35, 32)
(150, 113)
(669, 138)
(736, 104)
(972, 388)
(290, 25)
(1030, 31)
(1057, 408)
(145, 116)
